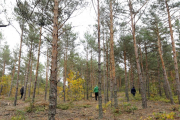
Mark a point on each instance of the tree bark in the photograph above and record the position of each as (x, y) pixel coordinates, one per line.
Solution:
(112, 56)
(37, 66)
(64, 76)
(174, 52)
(13, 71)
(53, 76)
(126, 81)
(159, 81)
(142, 87)
(87, 76)
(147, 75)
(27, 73)
(30, 79)
(107, 70)
(99, 65)
(19, 63)
(47, 71)
(166, 82)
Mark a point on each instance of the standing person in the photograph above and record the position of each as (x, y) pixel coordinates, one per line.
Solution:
(133, 91)
(96, 90)
(22, 91)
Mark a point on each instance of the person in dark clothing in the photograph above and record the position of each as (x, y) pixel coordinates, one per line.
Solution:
(96, 90)
(133, 91)
(22, 91)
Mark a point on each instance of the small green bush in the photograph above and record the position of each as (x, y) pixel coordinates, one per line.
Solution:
(62, 106)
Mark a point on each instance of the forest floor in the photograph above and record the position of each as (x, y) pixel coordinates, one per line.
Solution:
(87, 109)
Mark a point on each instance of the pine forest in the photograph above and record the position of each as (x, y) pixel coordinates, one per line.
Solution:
(120, 61)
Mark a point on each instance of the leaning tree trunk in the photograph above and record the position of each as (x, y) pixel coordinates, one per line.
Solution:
(37, 66)
(99, 65)
(53, 75)
(27, 74)
(174, 53)
(13, 71)
(112, 56)
(166, 82)
(142, 87)
(47, 71)
(19, 63)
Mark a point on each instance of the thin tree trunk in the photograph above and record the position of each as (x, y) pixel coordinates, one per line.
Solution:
(159, 81)
(53, 76)
(174, 53)
(87, 76)
(91, 79)
(126, 81)
(166, 82)
(37, 66)
(104, 71)
(107, 71)
(30, 78)
(147, 75)
(142, 87)
(64, 77)
(47, 71)
(19, 63)
(99, 65)
(27, 73)
(13, 71)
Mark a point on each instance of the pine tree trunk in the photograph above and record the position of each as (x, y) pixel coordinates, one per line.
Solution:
(87, 76)
(147, 75)
(126, 81)
(47, 71)
(19, 63)
(112, 56)
(99, 65)
(166, 82)
(104, 71)
(142, 87)
(174, 53)
(91, 79)
(53, 75)
(64, 80)
(159, 81)
(37, 66)
(27, 73)
(30, 79)
(13, 71)
(107, 71)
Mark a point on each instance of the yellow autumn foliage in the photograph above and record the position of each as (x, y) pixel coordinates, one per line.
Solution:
(74, 90)
(5, 82)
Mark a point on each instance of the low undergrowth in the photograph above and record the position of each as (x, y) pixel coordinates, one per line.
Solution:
(42, 106)
(19, 115)
(161, 116)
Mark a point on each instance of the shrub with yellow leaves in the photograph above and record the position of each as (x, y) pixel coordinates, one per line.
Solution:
(162, 116)
(5, 82)
(74, 90)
